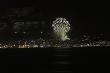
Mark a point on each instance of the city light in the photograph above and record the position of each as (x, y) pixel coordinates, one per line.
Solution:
(42, 43)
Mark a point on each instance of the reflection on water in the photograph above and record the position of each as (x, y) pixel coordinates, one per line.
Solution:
(51, 60)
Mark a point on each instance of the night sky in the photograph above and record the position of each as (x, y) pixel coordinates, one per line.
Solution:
(84, 17)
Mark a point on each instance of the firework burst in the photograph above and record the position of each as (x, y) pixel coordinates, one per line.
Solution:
(61, 27)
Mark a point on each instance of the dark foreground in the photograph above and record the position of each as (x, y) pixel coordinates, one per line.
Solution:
(55, 60)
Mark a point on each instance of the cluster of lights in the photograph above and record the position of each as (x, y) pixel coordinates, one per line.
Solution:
(18, 32)
(52, 43)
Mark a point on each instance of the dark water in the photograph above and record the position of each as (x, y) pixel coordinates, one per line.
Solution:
(55, 60)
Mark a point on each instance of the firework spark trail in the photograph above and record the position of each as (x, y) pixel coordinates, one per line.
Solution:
(61, 27)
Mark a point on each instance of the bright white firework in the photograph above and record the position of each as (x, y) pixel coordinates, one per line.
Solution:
(61, 27)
